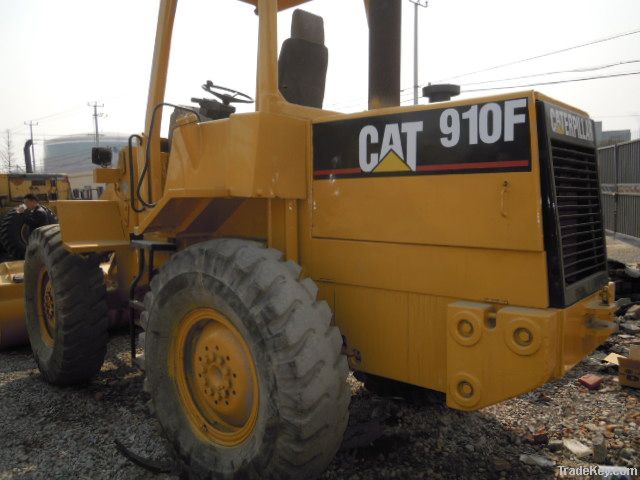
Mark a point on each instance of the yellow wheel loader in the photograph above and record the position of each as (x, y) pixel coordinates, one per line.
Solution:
(456, 246)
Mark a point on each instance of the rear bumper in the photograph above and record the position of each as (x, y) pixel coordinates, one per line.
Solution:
(495, 355)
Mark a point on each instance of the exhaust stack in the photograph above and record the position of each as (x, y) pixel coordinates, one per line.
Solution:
(384, 18)
(28, 162)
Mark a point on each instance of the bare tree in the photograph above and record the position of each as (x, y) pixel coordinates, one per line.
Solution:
(7, 154)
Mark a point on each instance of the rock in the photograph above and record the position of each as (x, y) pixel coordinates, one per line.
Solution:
(360, 435)
(616, 444)
(591, 381)
(629, 327)
(537, 460)
(555, 445)
(576, 447)
(540, 437)
(593, 428)
(599, 449)
(501, 465)
(627, 453)
(470, 448)
(445, 420)
(633, 312)
(543, 397)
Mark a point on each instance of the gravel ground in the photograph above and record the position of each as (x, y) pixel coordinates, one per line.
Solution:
(623, 252)
(55, 432)
(52, 432)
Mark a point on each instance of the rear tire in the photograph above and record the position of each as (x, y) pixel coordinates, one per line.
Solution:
(66, 310)
(15, 233)
(290, 423)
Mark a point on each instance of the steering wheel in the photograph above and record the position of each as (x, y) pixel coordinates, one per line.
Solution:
(231, 96)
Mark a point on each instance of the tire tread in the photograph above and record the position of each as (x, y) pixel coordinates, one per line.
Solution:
(311, 393)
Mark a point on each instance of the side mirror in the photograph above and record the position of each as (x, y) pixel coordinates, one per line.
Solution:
(101, 156)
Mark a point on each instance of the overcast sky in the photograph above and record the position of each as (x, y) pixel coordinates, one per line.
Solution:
(55, 56)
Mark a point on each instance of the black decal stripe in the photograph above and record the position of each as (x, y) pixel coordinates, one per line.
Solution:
(337, 144)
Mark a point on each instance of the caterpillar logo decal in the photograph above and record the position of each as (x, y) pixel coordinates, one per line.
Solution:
(569, 126)
(485, 137)
(391, 157)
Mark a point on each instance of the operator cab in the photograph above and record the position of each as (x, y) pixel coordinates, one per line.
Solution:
(302, 71)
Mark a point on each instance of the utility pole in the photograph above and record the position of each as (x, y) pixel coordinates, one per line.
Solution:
(416, 5)
(30, 124)
(95, 106)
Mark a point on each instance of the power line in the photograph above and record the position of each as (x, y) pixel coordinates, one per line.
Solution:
(576, 70)
(506, 87)
(406, 94)
(15, 128)
(58, 114)
(618, 116)
(50, 136)
(598, 77)
(554, 52)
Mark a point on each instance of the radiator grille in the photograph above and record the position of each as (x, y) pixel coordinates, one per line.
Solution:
(579, 212)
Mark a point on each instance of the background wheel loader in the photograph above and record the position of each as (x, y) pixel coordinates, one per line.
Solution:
(14, 233)
(14, 236)
(263, 254)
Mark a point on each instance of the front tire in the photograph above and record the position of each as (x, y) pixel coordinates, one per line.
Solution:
(66, 310)
(244, 368)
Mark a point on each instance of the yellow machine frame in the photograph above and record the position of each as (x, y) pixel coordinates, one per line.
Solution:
(452, 296)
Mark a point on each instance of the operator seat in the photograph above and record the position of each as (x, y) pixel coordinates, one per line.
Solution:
(302, 66)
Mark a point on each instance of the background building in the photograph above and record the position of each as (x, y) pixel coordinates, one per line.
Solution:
(611, 137)
(71, 155)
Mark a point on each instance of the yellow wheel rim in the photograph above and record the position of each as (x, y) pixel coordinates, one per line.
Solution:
(216, 377)
(46, 308)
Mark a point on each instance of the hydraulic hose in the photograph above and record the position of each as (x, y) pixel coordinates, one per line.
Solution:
(131, 177)
(147, 154)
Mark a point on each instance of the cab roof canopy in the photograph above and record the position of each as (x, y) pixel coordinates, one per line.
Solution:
(282, 4)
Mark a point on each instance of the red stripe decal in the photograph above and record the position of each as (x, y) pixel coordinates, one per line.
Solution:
(338, 171)
(436, 168)
(465, 166)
